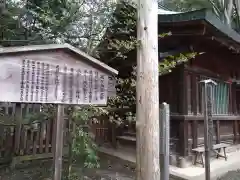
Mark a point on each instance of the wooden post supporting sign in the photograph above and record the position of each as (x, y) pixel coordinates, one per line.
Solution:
(58, 150)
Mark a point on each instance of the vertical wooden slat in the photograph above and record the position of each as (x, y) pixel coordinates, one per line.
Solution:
(13, 109)
(53, 140)
(30, 142)
(214, 107)
(48, 134)
(28, 108)
(217, 98)
(4, 140)
(35, 141)
(233, 101)
(218, 140)
(65, 131)
(42, 133)
(1, 139)
(220, 97)
(18, 119)
(6, 108)
(24, 141)
(230, 96)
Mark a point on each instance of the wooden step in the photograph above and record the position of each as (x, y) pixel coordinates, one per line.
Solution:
(127, 138)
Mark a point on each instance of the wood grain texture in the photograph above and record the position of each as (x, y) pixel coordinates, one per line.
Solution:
(58, 149)
(147, 92)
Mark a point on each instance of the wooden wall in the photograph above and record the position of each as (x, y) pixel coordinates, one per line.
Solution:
(226, 120)
(182, 90)
(169, 87)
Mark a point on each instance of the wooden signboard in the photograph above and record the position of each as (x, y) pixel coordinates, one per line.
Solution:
(58, 74)
(62, 80)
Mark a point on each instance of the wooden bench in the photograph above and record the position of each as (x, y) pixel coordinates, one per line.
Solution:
(216, 149)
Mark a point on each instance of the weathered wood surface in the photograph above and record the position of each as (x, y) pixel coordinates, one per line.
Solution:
(80, 55)
(147, 92)
(58, 145)
(18, 139)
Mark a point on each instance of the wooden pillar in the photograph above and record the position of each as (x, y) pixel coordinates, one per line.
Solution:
(194, 94)
(58, 150)
(184, 91)
(218, 140)
(183, 131)
(147, 124)
(195, 133)
(195, 100)
(183, 139)
(235, 131)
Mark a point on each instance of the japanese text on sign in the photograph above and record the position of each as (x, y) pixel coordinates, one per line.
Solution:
(41, 82)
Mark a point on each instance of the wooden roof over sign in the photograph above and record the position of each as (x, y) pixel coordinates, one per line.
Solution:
(47, 47)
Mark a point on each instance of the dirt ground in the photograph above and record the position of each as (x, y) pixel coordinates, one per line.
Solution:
(42, 170)
(109, 170)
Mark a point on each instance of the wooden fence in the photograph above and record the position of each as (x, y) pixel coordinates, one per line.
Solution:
(19, 140)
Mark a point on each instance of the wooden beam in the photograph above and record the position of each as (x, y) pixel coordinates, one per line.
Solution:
(177, 117)
(183, 138)
(147, 124)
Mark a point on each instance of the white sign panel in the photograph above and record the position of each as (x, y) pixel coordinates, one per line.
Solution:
(33, 81)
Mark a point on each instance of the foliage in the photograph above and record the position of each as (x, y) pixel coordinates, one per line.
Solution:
(78, 22)
(81, 144)
(47, 112)
(121, 44)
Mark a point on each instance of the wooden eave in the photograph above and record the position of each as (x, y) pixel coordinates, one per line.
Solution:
(202, 24)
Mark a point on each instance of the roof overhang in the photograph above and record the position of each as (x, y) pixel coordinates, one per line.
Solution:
(47, 47)
(220, 31)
